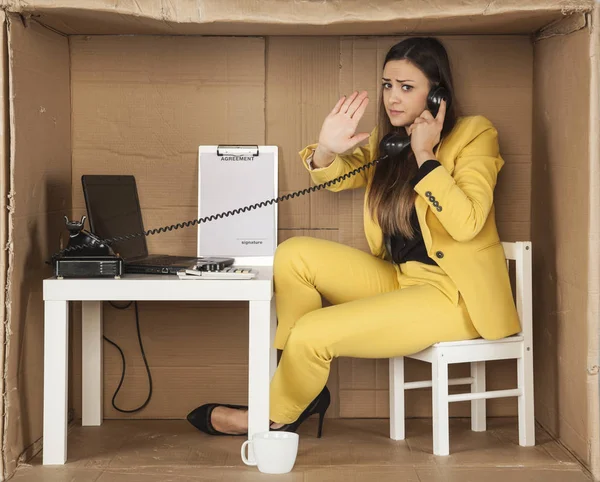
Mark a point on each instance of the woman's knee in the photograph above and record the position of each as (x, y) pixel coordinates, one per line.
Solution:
(291, 247)
(305, 339)
(288, 252)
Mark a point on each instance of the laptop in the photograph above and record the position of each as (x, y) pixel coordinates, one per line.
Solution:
(113, 209)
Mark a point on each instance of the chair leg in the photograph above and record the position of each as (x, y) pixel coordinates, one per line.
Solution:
(439, 382)
(526, 410)
(478, 407)
(397, 398)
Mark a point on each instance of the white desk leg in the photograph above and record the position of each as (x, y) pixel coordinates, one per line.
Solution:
(273, 328)
(259, 368)
(91, 359)
(56, 344)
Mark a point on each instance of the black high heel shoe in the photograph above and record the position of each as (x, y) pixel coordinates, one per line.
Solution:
(200, 418)
(318, 405)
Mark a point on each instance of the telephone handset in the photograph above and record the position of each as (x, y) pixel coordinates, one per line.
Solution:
(435, 97)
(394, 143)
(391, 145)
(89, 242)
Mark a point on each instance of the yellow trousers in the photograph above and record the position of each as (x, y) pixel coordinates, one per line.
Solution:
(380, 310)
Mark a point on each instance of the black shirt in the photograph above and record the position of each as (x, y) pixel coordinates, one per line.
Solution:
(401, 249)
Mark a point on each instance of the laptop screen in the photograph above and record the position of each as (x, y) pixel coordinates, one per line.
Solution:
(113, 209)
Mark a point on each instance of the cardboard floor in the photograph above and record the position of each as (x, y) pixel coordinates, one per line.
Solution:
(350, 450)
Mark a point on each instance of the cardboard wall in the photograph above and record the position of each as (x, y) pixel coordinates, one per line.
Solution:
(139, 104)
(561, 213)
(39, 196)
(142, 105)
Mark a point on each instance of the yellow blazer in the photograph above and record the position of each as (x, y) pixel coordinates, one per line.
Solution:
(455, 208)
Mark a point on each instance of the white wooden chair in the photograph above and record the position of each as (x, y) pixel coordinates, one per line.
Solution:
(476, 352)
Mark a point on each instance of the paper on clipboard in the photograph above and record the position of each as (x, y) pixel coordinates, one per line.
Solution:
(230, 178)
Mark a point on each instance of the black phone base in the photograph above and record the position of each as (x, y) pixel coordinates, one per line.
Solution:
(94, 259)
(88, 267)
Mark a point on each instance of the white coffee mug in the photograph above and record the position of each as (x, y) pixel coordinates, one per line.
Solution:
(275, 452)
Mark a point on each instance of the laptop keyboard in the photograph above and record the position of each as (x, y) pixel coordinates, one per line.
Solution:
(167, 261)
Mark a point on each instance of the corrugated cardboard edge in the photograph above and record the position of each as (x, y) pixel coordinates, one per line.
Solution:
(4, 217)
(564, 26)
(298, 11)
(594, 247)
(8, 231)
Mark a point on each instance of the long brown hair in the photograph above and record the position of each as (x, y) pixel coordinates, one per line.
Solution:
(391, 198)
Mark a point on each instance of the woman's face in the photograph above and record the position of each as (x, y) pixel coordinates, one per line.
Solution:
(405, 90)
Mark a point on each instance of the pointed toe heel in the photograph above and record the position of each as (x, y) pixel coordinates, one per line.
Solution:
(318, 406)
(200, 418)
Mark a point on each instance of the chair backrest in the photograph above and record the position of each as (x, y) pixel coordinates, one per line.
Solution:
(520, 253)
(231, 179)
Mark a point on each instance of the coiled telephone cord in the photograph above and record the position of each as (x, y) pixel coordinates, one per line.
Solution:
(213, 217)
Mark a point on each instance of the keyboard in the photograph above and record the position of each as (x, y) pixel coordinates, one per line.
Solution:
(166, 261)
(231, 272)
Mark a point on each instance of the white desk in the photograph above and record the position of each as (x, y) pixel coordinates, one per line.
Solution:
(57, 295)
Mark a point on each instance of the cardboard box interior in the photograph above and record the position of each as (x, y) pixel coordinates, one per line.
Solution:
(81, 103)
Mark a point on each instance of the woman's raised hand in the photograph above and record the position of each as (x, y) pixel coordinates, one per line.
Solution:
(338, 133)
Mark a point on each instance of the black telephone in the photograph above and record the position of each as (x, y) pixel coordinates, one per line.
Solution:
(86, 256)
(391, 145)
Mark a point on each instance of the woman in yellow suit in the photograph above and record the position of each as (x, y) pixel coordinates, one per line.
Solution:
(436, 271)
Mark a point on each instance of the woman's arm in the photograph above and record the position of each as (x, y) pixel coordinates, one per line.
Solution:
(464, 199)
(341, 165)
